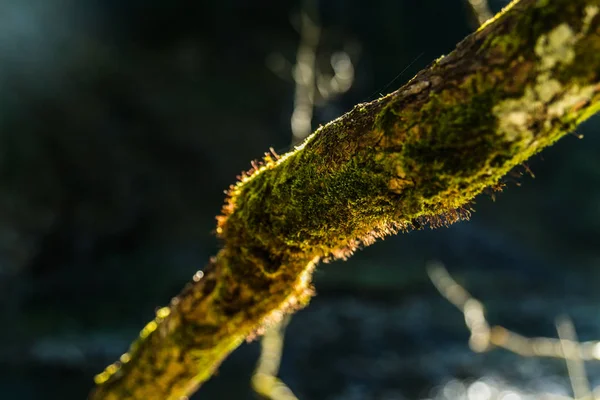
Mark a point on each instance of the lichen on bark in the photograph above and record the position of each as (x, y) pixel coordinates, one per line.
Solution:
(414, 157)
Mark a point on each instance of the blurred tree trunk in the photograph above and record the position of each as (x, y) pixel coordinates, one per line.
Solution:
(417, 156)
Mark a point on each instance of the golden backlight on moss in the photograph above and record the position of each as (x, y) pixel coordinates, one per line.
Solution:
(163, 313)
(125, 358)
(414, 158)
(148, 329)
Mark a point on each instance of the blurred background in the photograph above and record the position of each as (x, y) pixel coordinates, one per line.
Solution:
(122, 122)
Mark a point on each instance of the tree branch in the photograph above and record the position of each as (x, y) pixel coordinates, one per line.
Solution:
(417, 156)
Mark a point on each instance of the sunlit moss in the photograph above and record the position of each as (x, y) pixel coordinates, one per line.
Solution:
(413, 158)
(163, 313)
(125, 358)
(148, 329)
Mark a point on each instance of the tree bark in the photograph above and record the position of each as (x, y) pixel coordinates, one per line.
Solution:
(415, 157)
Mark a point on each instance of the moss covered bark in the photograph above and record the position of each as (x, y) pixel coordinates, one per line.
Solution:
(417, 156)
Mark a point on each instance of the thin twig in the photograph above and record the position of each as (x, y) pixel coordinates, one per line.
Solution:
(305, 72)
(264, 381)
(572, 354)
(484, 337)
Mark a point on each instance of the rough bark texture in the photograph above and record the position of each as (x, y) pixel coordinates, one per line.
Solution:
(414, 157)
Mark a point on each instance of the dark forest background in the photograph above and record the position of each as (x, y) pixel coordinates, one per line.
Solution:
(122, 122)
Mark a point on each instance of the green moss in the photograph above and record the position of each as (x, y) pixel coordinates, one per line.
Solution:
(445, 145)
(588, 112)
(415, 157)
(510, 40)
(468, 134)
(585, 51)
(310, 201)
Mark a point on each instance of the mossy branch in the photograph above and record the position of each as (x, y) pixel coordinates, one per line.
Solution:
(417, 156)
